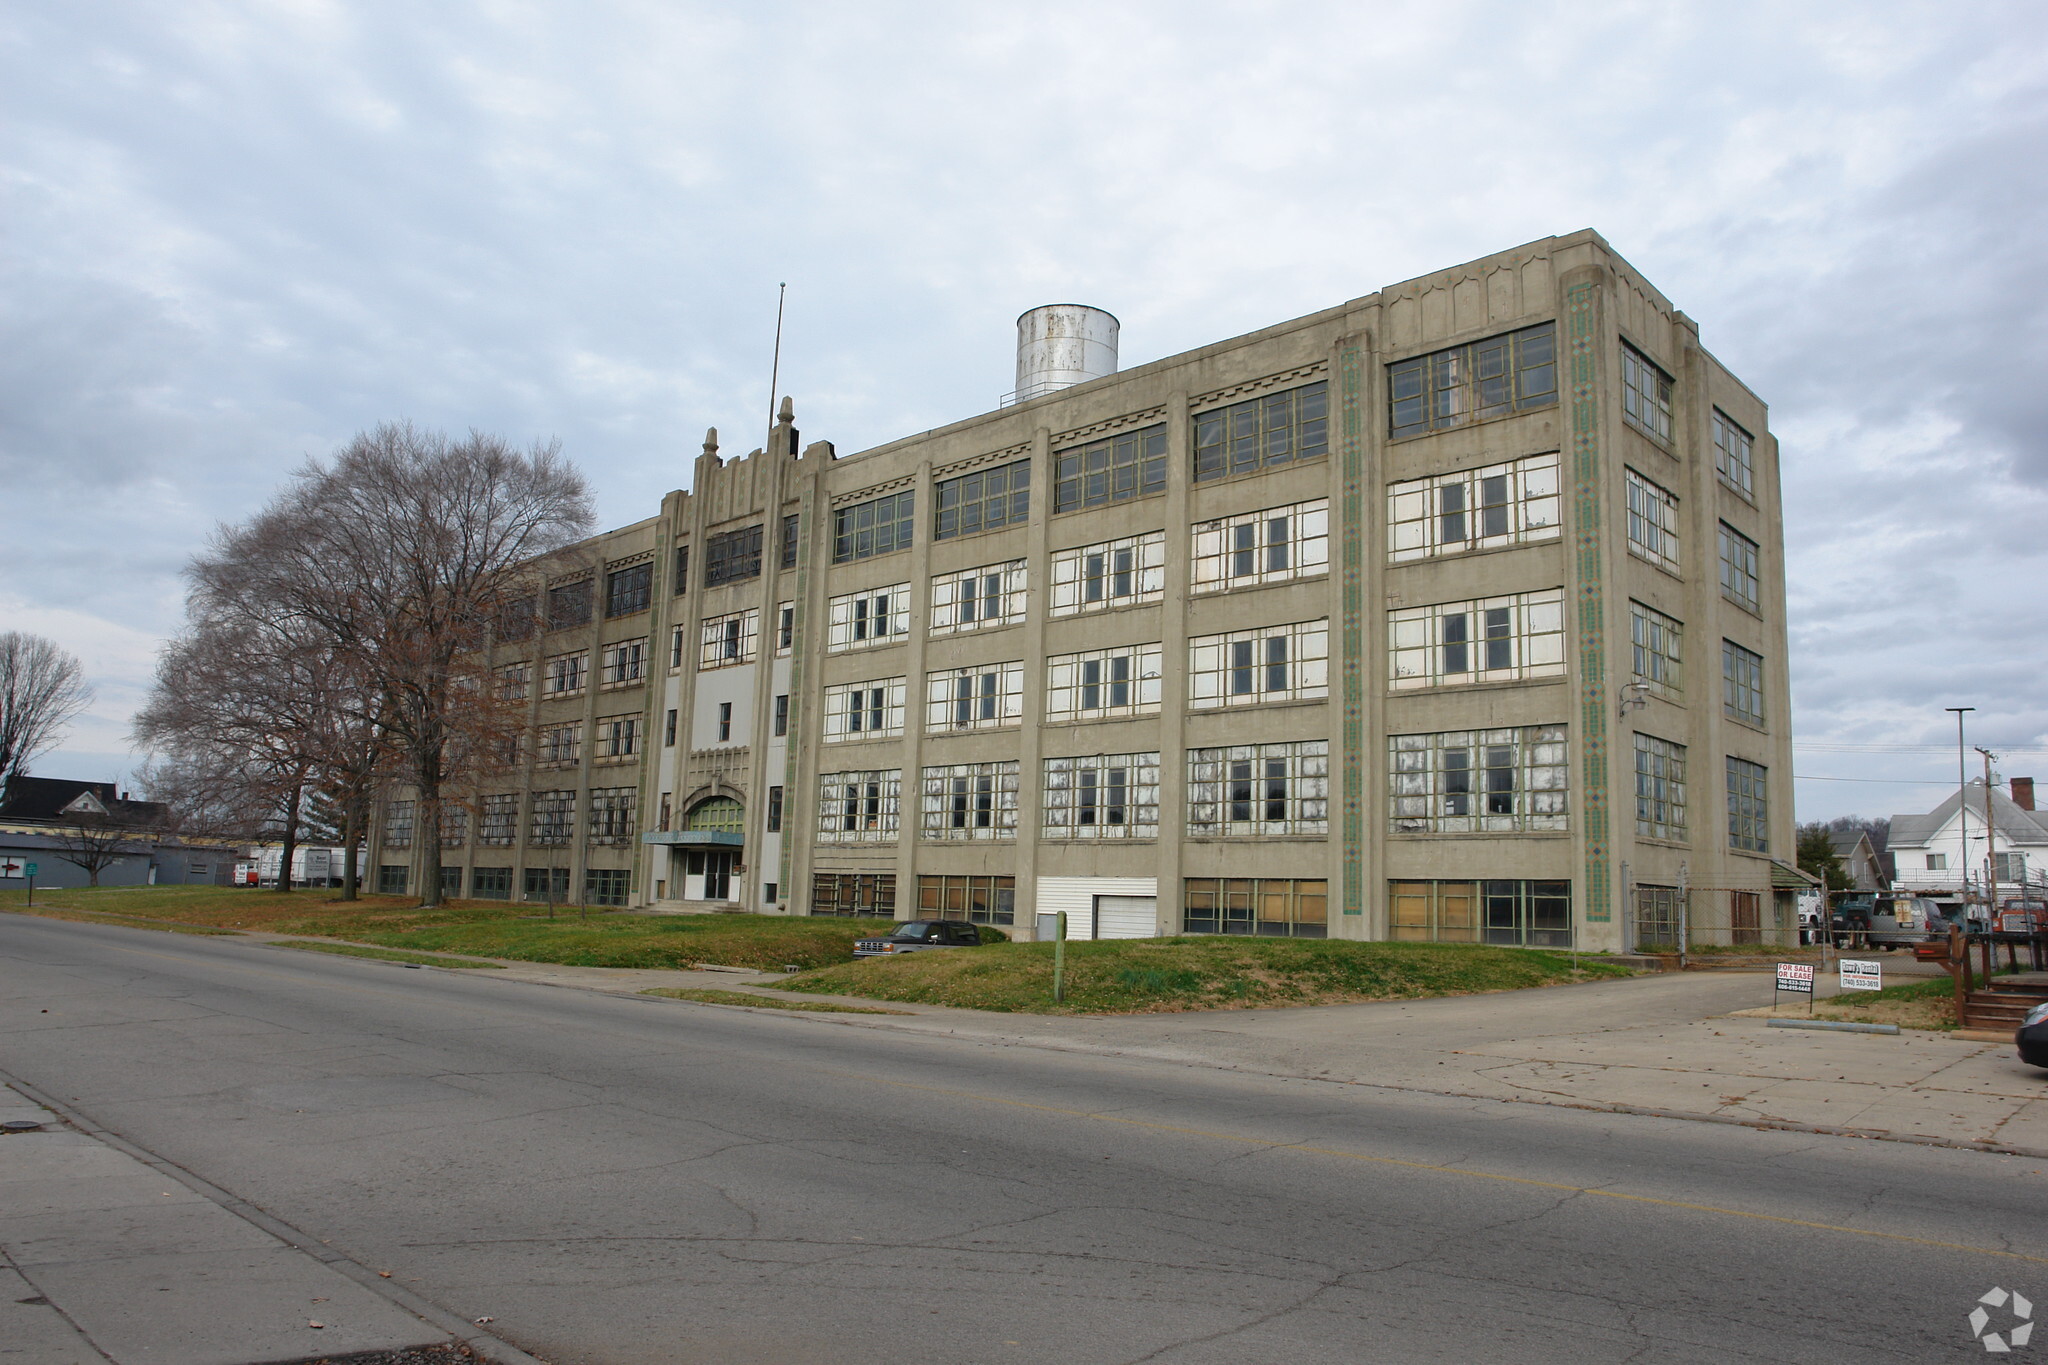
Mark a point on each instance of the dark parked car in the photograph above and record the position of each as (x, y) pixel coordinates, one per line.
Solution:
(2033, 1037)
(919, 935)
(1885, 920)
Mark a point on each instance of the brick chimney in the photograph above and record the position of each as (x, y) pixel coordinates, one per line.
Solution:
(2023, 792)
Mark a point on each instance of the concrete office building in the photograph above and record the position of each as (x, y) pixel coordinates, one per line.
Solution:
(1452, 612)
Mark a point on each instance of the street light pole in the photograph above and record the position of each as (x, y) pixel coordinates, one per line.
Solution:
(1963, 810)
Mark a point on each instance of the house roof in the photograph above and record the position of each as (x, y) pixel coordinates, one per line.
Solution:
(1785, 876)
(1847, 841)
(49, 800)
(2013, 820)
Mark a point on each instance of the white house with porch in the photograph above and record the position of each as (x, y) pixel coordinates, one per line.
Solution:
(1930, 852)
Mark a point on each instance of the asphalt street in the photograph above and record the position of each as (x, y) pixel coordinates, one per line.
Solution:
(616, 1180)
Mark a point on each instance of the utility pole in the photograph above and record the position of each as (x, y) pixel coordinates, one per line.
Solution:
(1990, 841)
(1962, 809)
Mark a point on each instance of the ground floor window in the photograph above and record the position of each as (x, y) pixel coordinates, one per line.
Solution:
(606, 885)
(980, 900)
(1273, 907)
(491, 883)
(451, 881)
(547, 884)
(1657, 916)
(391, 879)
(854, 893)
(1524, 914)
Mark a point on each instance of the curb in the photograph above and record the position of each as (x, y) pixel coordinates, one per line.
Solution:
(495, 1349)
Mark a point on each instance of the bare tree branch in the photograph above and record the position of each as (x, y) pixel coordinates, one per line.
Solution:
(42, 689)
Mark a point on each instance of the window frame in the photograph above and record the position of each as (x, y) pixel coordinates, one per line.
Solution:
(1305, 901)
(881, 699)
(1741, 570)
(1735, 456)
(994, 508)
(1654, 508)
(1239, 551)
(1749, 805)
(995, 701)
(728, 641)
(1451, 514)
(860, 806)
(1266, 431)
(872, 527)
(1236, 668)
(1646, 406)
(1660, 769)
(969, 801)
(1450, 385)
(1235, 790)
(1524, 630)
(1424, 785)
(629, 590)
(1076, 470)
(1072, 806)
(951, 592)
(850, 619)
(1742, 678)
(1067, 683)
(732, 556)
(1086, 578)
(1649, 631)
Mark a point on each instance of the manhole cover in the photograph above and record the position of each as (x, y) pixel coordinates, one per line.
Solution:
(19, 1126)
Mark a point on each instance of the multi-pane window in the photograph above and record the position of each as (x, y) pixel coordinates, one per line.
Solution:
(724, 721)
(612, 814)
(982, 501)
(971, 801)
(1474, 509)
(1748, 807)
(514, 682)
(607, 885)
(668, 729)
(398, 822)
(629, 589)
(1519, 913)
(1260, 433)
(773, 824)
(554, 818)
(1645, 393)
(1742, 683)
(1113, 573)
(983, 697)
(1732, 455)
(622, 663)
(991, 595)
(727, 640)
(860, 620)
(791, 528)
(515, 620)
(569, 605)
(1652, 522)
(864, 710)
(491, 883)
(2009, 867)
(454, 825)
(785, 628)
(1494, 639)
(1102, 796)
(732, 556)
(1657, 649)
(564, 675)
(675, 648)
(878, 526)
(391, 879)
(978, 900)
(1101, 684)
(1660, 788)
(781, 714)
(1263, 547)
(682, 574)
(1257, 790)
(1510, 373)
(1475, 781)
(1272, 663)
(1114, 469)
(1269, 907)
(561, 745)
(869, 894)
(617, 737)
(510, 750)
(1738, 568)
(1937, 862)
(498, 820)
(859, 807)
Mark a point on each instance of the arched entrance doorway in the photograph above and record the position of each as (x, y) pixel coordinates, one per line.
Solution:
(718, 824)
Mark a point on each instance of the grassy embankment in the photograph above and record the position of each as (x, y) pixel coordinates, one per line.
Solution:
(1126, 976)
(480, 928)
(765, 1002)
(1927, 1003)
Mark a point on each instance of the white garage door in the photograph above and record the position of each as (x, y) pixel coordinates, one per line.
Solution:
(1126, 916)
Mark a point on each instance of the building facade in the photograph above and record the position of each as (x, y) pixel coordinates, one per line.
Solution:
(1454, 612)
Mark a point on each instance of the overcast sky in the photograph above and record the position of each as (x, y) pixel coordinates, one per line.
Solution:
(238, 232)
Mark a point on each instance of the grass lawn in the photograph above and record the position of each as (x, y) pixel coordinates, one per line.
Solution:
(764, 1002)
(387, 954)
(479, 928)
(1929, 1003)
(1127, 976)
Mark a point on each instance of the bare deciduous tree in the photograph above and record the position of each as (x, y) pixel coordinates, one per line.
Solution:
(94, 841)
(398, 553)
(42, 689)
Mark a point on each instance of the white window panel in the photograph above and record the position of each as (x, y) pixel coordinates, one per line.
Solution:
(978, 599)
(1272, 663)
(982, 697)
(1513, 503)
(860, 807)
(622, 663)
(865, 710)
(725, 641)
(971, 801)
(1101, 684)
(1652, 522)
(1489, 639)
(564, 675)
(1479, 781)
(1269, 546)
(1112, 573)
(1102, 796)
(1255, 790)
(863, 620)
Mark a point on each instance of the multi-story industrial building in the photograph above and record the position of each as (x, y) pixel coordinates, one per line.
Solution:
(1454, 612)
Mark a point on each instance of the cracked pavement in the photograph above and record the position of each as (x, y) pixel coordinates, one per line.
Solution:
(615, 1180)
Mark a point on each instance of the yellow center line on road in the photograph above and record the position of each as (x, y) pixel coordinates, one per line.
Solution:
(1400, 1163)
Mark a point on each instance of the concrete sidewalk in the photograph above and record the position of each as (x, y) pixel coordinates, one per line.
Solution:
(105, 1257)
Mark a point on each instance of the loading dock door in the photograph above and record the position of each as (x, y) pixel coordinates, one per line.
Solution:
(1126, 916)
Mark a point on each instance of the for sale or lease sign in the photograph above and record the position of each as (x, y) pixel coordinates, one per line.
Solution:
(1796, 976)
(1862, 976)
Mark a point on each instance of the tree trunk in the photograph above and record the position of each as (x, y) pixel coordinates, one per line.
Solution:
(429, 793)
(291, 836)
(351, 831)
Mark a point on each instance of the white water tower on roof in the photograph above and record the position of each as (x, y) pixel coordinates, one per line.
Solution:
(1060, 345)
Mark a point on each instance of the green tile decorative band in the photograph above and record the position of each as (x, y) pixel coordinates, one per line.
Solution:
(1593, 693)
(1352, 518)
